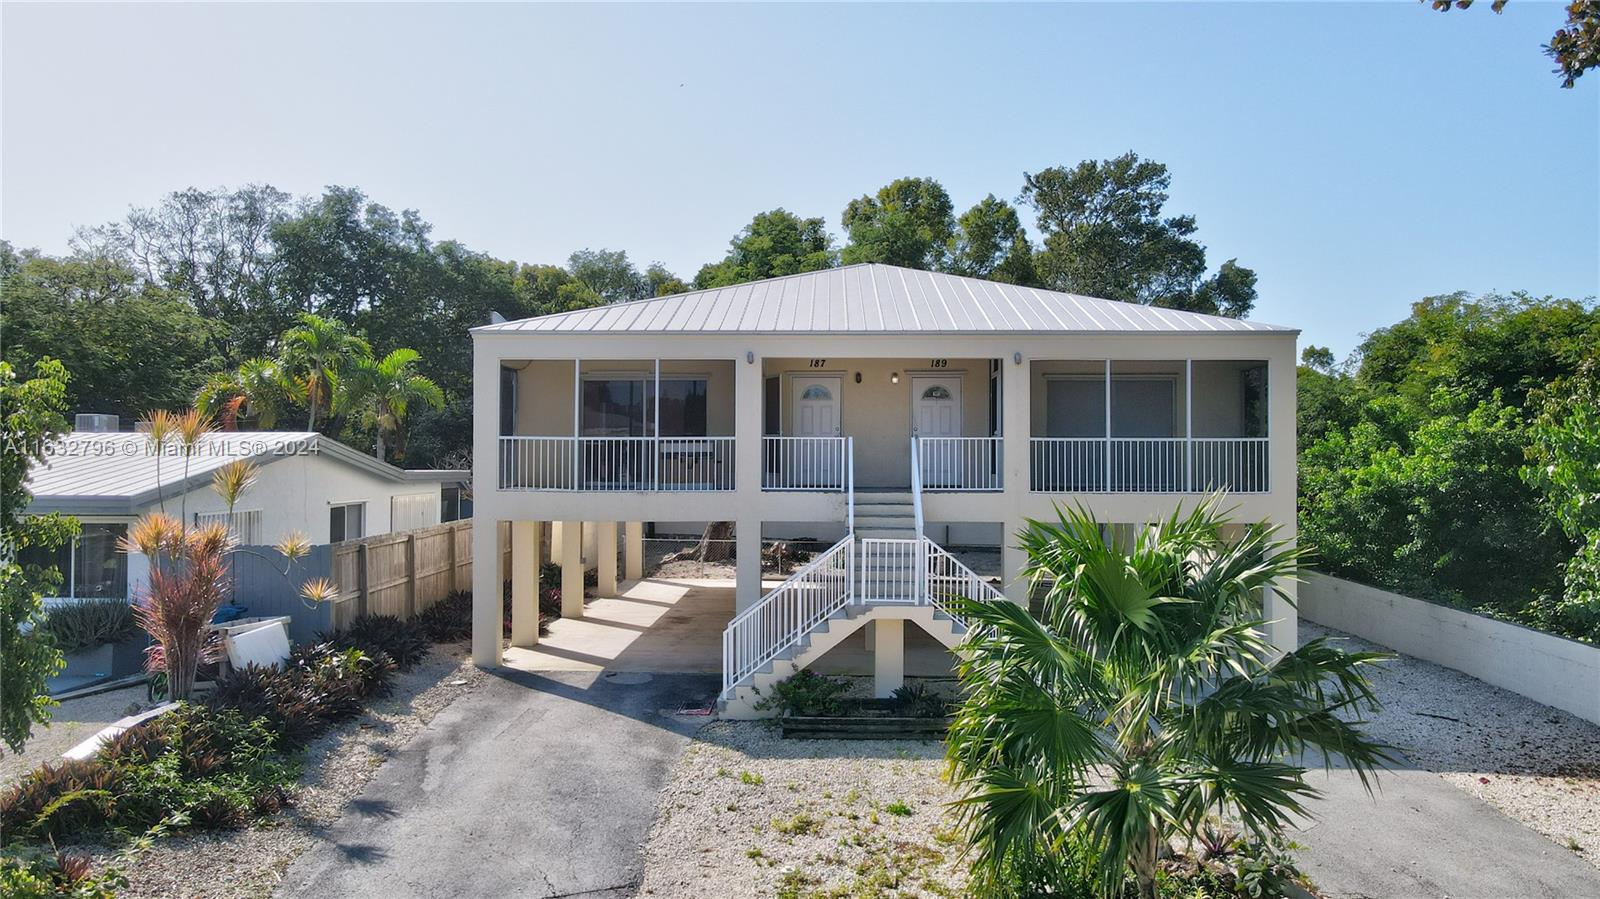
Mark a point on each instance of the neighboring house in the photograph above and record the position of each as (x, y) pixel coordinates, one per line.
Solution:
(306, 483)
(881, 401)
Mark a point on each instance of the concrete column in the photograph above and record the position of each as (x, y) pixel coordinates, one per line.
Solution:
(633, 552)
(605, 544)
(1284, 632)
(572, 569)
(524, 583)
(888, 656)
(747, 420)
(486, 586)
(590, 534)
(556, 552)
(870, 631)
(1012, 561)
(747, 547)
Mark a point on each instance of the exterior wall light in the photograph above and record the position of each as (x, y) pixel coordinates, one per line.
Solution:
(1016, 358)
(750, 357)
(858, 377)
(894, 378)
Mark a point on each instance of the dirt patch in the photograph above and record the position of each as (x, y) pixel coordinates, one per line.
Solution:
(748, 813)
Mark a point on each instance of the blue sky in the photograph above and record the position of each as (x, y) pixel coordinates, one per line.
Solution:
(1358, 156)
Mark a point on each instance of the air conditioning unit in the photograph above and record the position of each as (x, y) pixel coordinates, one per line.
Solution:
(97, 423)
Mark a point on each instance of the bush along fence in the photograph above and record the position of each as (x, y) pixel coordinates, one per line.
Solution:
(398, 574)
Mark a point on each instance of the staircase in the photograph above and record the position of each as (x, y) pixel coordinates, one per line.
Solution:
(883, 568)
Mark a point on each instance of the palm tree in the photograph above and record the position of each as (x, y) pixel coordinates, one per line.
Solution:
(1144, 701)
(386, 390)
(256, 391)
(315, 355)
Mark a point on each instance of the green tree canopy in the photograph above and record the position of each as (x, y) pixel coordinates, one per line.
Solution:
(990, 242)
(909, 222)
(776, 242)
(1105, 235)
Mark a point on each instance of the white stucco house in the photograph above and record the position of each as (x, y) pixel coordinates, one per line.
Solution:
(889, 403)
(306, 482)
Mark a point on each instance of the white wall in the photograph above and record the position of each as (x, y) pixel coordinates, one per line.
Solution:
(294, 494)
(1548, 669)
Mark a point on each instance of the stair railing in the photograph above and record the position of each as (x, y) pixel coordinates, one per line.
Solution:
(919, 587)
(850, 485)
(806, 599)
(945, 577)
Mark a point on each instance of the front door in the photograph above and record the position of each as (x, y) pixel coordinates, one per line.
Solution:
(936, 412)
(816, 414)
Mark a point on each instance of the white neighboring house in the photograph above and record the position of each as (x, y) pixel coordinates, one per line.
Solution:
(306, 482)
(888, 404)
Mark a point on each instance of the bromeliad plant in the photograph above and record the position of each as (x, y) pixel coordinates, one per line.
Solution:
(1145, 700)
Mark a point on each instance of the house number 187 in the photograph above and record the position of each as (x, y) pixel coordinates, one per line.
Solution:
(819, 363)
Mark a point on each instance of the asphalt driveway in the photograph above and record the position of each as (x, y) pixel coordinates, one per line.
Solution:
(539, 784)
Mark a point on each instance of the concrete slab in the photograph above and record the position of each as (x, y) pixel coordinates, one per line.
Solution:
(663, 626)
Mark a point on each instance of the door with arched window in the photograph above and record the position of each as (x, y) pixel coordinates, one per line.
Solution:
(816, 414)
(936, 412)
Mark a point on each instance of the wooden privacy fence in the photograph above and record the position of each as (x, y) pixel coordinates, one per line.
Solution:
(401, 574)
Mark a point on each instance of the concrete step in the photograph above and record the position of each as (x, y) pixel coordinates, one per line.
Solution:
(883, 499)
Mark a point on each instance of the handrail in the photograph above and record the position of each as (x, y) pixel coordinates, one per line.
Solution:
(944, 571)
(756, 635)
(919, 587)
(850, 485)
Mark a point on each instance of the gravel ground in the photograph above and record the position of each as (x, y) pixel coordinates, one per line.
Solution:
(249, 863)
(71, 723)
(748, 813)
(1537, 765)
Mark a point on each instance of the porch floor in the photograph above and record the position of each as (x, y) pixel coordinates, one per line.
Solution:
(675, 625)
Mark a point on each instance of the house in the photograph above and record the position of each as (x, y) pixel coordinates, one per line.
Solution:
(306, 483)
(886, 401)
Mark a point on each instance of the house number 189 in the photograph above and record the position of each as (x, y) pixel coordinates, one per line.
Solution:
(939, 363)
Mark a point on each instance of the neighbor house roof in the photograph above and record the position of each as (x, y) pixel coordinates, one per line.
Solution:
(879, 299)
(117, 473)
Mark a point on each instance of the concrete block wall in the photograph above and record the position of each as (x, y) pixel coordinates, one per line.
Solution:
(1555, 671)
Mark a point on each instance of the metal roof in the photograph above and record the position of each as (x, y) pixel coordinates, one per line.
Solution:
(117, 473)
(872, 298)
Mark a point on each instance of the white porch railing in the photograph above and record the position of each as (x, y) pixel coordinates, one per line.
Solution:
(756, 635)
(960, 463)
(1148, 464)
(609, 464)
(945, 578)
(804, 463)
(889, 571)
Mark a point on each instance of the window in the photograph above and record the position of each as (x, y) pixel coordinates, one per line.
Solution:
(683, 407)
(450, 503)
(243, 524)
(816, 392)
(936, 392)
(613, 407)
(92, 566)
(347, 522)
(508, 402)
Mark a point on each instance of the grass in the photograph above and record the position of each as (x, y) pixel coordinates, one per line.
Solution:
(898, 809)
(800, 825)
(750, 778)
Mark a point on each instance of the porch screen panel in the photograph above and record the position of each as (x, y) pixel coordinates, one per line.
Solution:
(683, 407)
(1075, 409)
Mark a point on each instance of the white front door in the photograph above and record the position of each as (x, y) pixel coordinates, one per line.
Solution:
(816, 414)
(936, 412)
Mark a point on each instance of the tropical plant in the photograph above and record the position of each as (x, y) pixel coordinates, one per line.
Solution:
(385, 391)
(190, 429)
(807, 693)
(187, 583)
(161, 430)
(450, 619)
(256, 391)
(401, 640)
(31, 415)
(88, 623)
(316, 355)
(1145, 698)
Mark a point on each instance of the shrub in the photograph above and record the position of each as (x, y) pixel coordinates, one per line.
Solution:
(275, 695)
(37, 873)
(376, 635)
(449, 620)
(807, 693)
(916, 700)
(63, 798)
(88, 623)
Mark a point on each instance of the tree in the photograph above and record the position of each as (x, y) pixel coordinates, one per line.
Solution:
(188, 581)
(1564, 466)
(774, 243)
(1105, 236)
(31, 415)
(316, 355)
(131, 347)
(609, 275)
(386, 391)
(1143, 701)
(1575, 46)
(909, 222)
(990, 242)
(662, 282)
(256, 392)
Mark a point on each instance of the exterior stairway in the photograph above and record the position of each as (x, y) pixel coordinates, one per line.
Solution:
(884, 574)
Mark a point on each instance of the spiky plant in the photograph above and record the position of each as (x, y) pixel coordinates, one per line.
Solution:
(385, 391)
(161, 428)
(1145, 699)
(256, 391)
(187, 583)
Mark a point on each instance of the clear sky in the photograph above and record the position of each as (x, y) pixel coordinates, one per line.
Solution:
(1357, 156)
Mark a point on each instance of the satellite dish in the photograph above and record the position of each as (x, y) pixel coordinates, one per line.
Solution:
(495, 318)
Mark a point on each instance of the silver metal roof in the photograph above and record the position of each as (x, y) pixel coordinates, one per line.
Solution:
(879, 299)
(117, 473)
